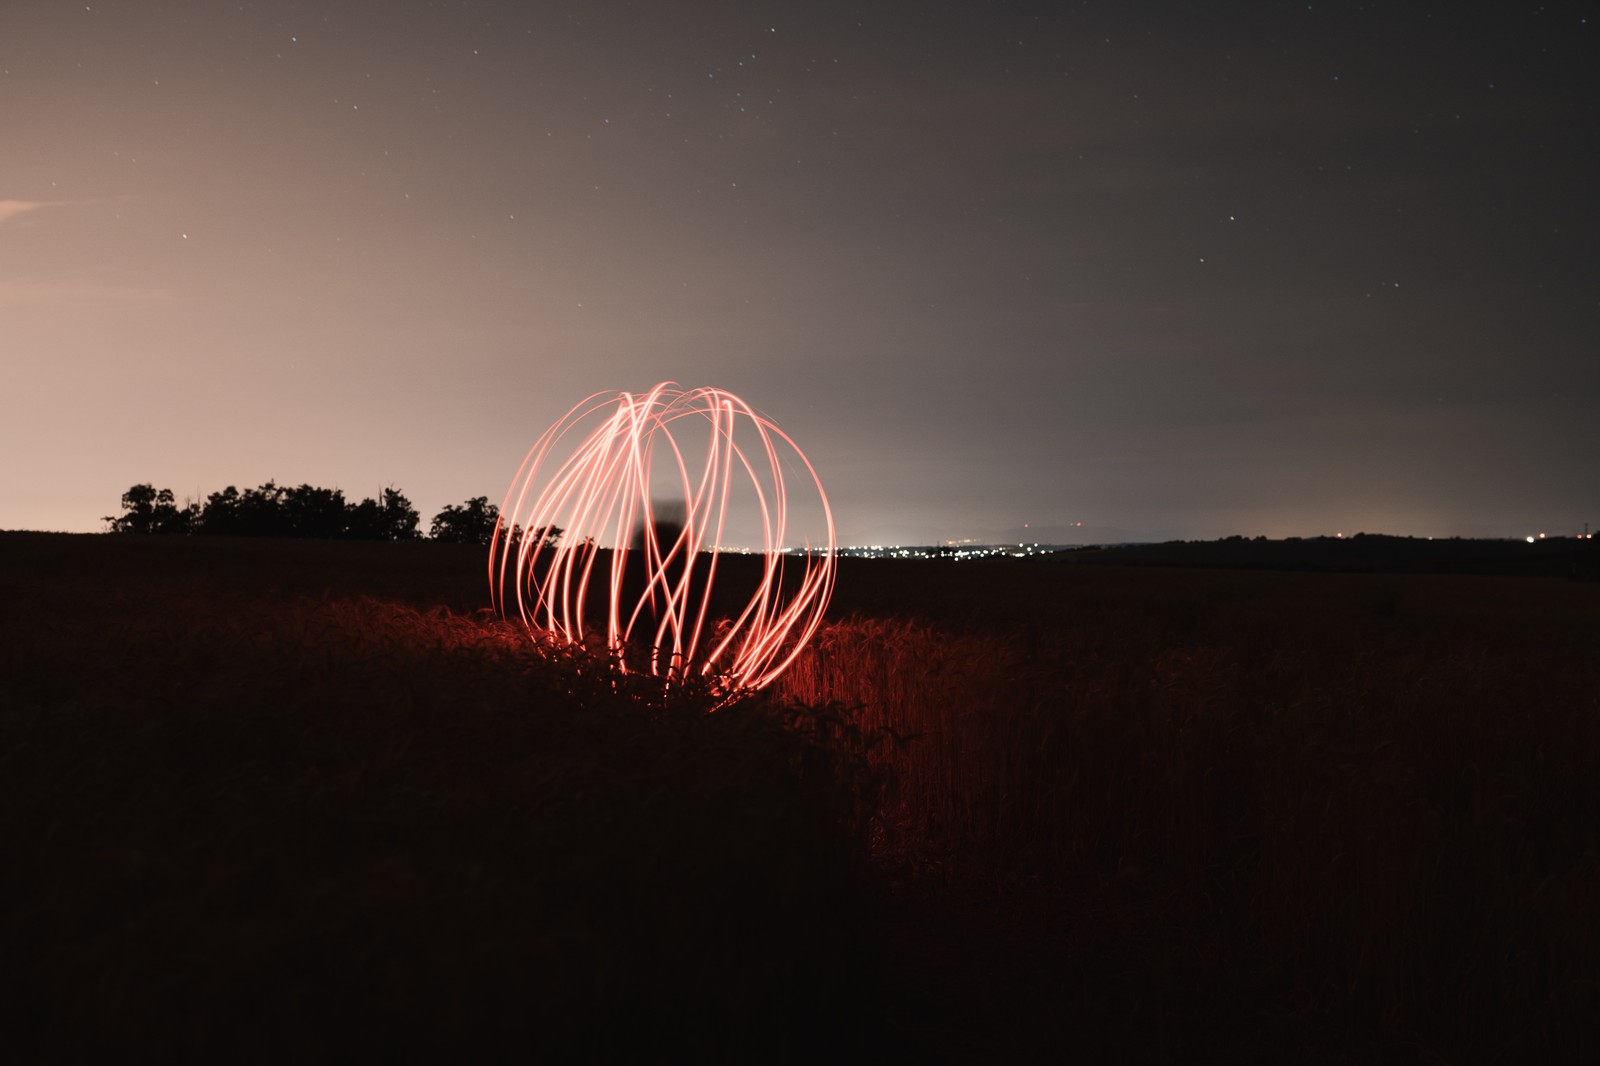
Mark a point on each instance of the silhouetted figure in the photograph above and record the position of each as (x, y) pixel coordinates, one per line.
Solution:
(650, 579)
(660, 593)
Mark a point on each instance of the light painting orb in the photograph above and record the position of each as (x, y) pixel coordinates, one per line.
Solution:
(681, 525)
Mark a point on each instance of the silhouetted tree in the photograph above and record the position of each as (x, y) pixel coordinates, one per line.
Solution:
(471, 523)
(138, 506)
(474, 522)
(147, 509)
(400, 519)
(181, 520)
(364, 520)
(271, 510)
(220, 515)
(391, 519)
(308, 511)
(260, 512)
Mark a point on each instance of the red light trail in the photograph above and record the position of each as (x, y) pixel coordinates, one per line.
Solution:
(657, 587)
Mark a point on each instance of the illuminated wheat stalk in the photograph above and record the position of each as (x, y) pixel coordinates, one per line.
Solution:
(598, 493)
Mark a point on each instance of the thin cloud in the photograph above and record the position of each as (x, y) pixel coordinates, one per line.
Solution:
(10, 209)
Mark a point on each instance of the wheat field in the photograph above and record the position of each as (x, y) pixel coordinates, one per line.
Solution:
(271, 799)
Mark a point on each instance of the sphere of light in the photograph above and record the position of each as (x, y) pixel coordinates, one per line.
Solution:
(583, 547)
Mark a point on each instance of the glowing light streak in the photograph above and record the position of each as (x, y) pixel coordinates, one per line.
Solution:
(656, 585)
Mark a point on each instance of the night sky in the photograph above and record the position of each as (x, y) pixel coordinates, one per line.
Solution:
(1168, 270)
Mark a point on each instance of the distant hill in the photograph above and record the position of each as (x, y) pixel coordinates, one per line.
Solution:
(1568, 557)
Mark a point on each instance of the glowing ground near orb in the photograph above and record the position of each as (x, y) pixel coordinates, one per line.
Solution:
(640, 571)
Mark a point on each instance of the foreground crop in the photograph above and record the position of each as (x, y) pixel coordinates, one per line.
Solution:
(278, 800)
(289, 827)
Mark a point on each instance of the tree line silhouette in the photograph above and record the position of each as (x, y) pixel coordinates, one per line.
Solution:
(274, 510)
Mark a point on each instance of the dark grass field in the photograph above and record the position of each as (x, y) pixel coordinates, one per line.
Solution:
(293, 800)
